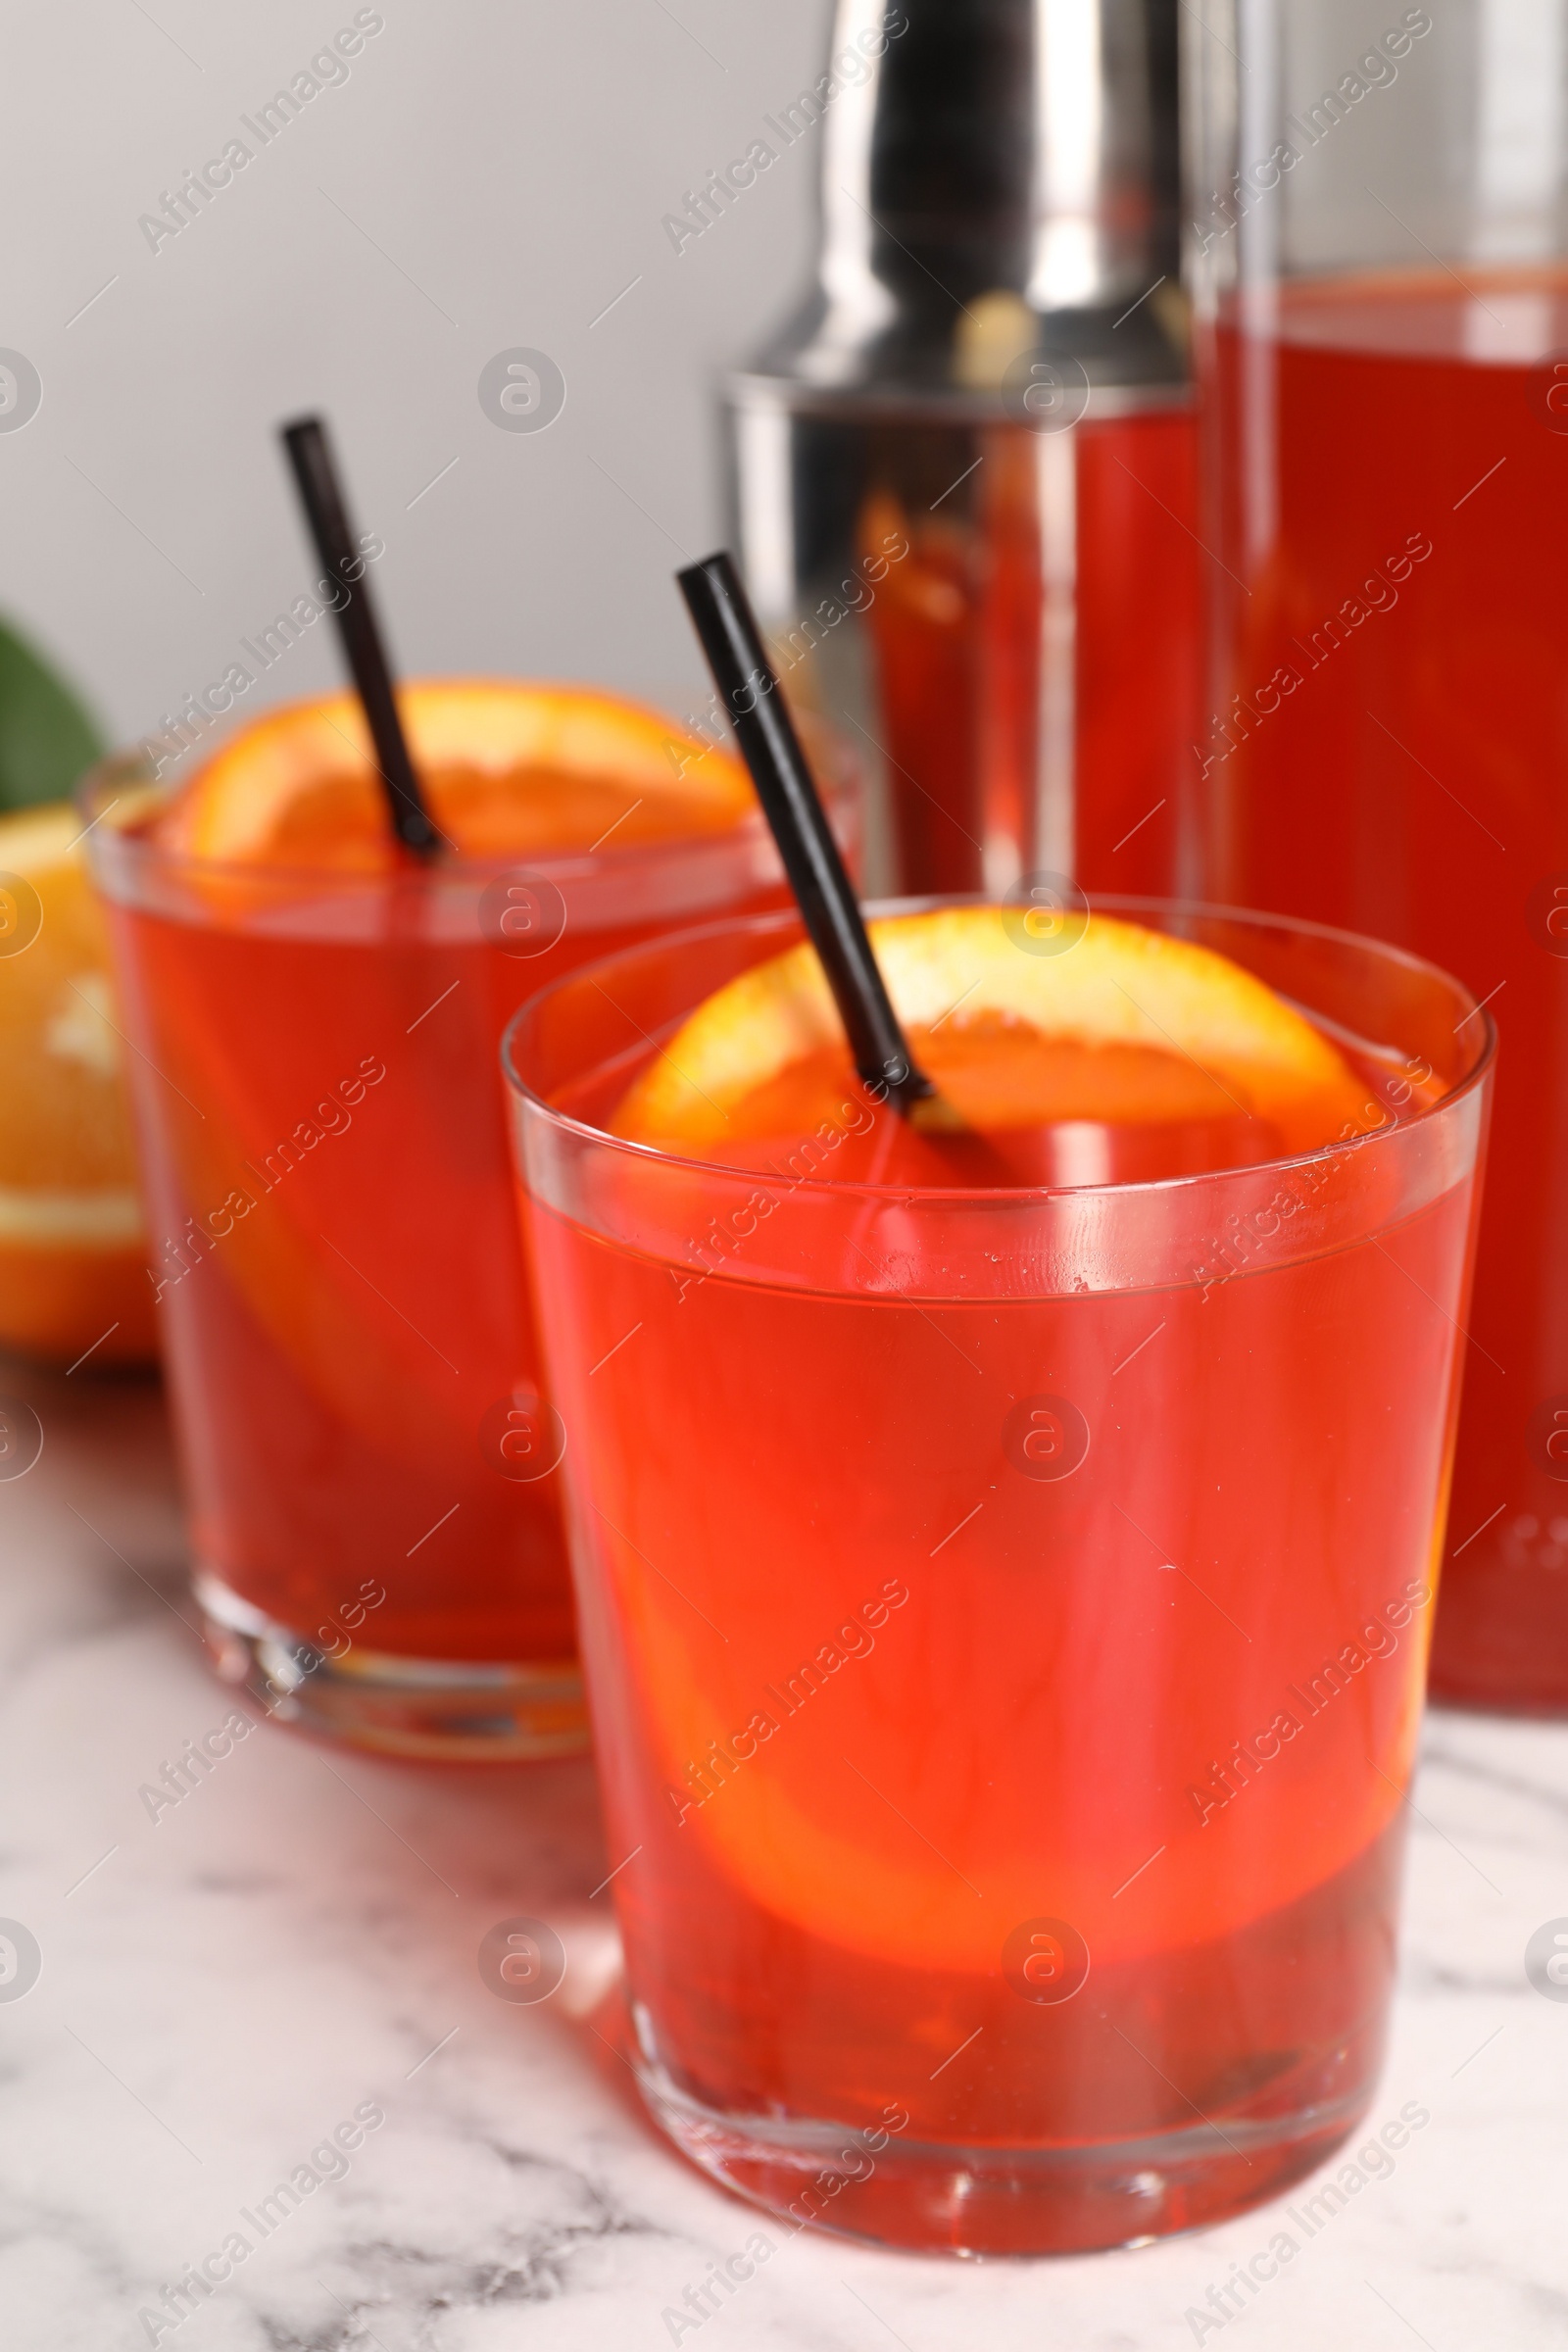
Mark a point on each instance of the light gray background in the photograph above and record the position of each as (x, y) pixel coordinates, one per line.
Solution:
(492, 174)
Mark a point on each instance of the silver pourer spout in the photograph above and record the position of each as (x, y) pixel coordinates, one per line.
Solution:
(964, 475)
(1000, 176)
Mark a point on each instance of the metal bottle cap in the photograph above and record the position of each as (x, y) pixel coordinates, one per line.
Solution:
(1000, 179)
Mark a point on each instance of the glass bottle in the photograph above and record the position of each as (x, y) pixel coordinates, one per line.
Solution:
(1377, 220)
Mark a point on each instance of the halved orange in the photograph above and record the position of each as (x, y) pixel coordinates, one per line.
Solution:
(1125, 1025)
(72, 1258)
(509, 766)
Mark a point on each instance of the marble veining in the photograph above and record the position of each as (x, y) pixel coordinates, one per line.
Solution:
(230, 1979)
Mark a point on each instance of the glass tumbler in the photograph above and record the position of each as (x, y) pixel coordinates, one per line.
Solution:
(1005, 1619)
(350, 1339)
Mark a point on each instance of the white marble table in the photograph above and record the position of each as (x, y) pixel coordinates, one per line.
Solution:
(294, 1944)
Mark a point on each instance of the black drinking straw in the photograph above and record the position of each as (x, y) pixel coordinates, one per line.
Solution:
(321, 496)
(771, 749)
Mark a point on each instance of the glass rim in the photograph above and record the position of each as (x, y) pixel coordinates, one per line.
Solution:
(789, 918)
(575, 866)
(133, 771)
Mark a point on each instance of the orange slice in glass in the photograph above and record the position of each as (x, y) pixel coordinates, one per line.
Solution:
(1123, 1025)
(510, 768)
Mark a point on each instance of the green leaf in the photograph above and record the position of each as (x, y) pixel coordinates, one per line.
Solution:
(46, 737)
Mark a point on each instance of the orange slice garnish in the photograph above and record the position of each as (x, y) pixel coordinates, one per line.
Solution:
(1125, 1025)
(510, 768)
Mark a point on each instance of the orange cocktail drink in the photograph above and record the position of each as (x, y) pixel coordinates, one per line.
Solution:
(372, 1468)
(1006, 1587)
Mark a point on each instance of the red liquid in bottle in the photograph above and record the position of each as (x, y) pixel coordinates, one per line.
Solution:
(1396, 764)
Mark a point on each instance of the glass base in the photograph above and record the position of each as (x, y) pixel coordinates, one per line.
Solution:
(443, 1709)
(943, 2198)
